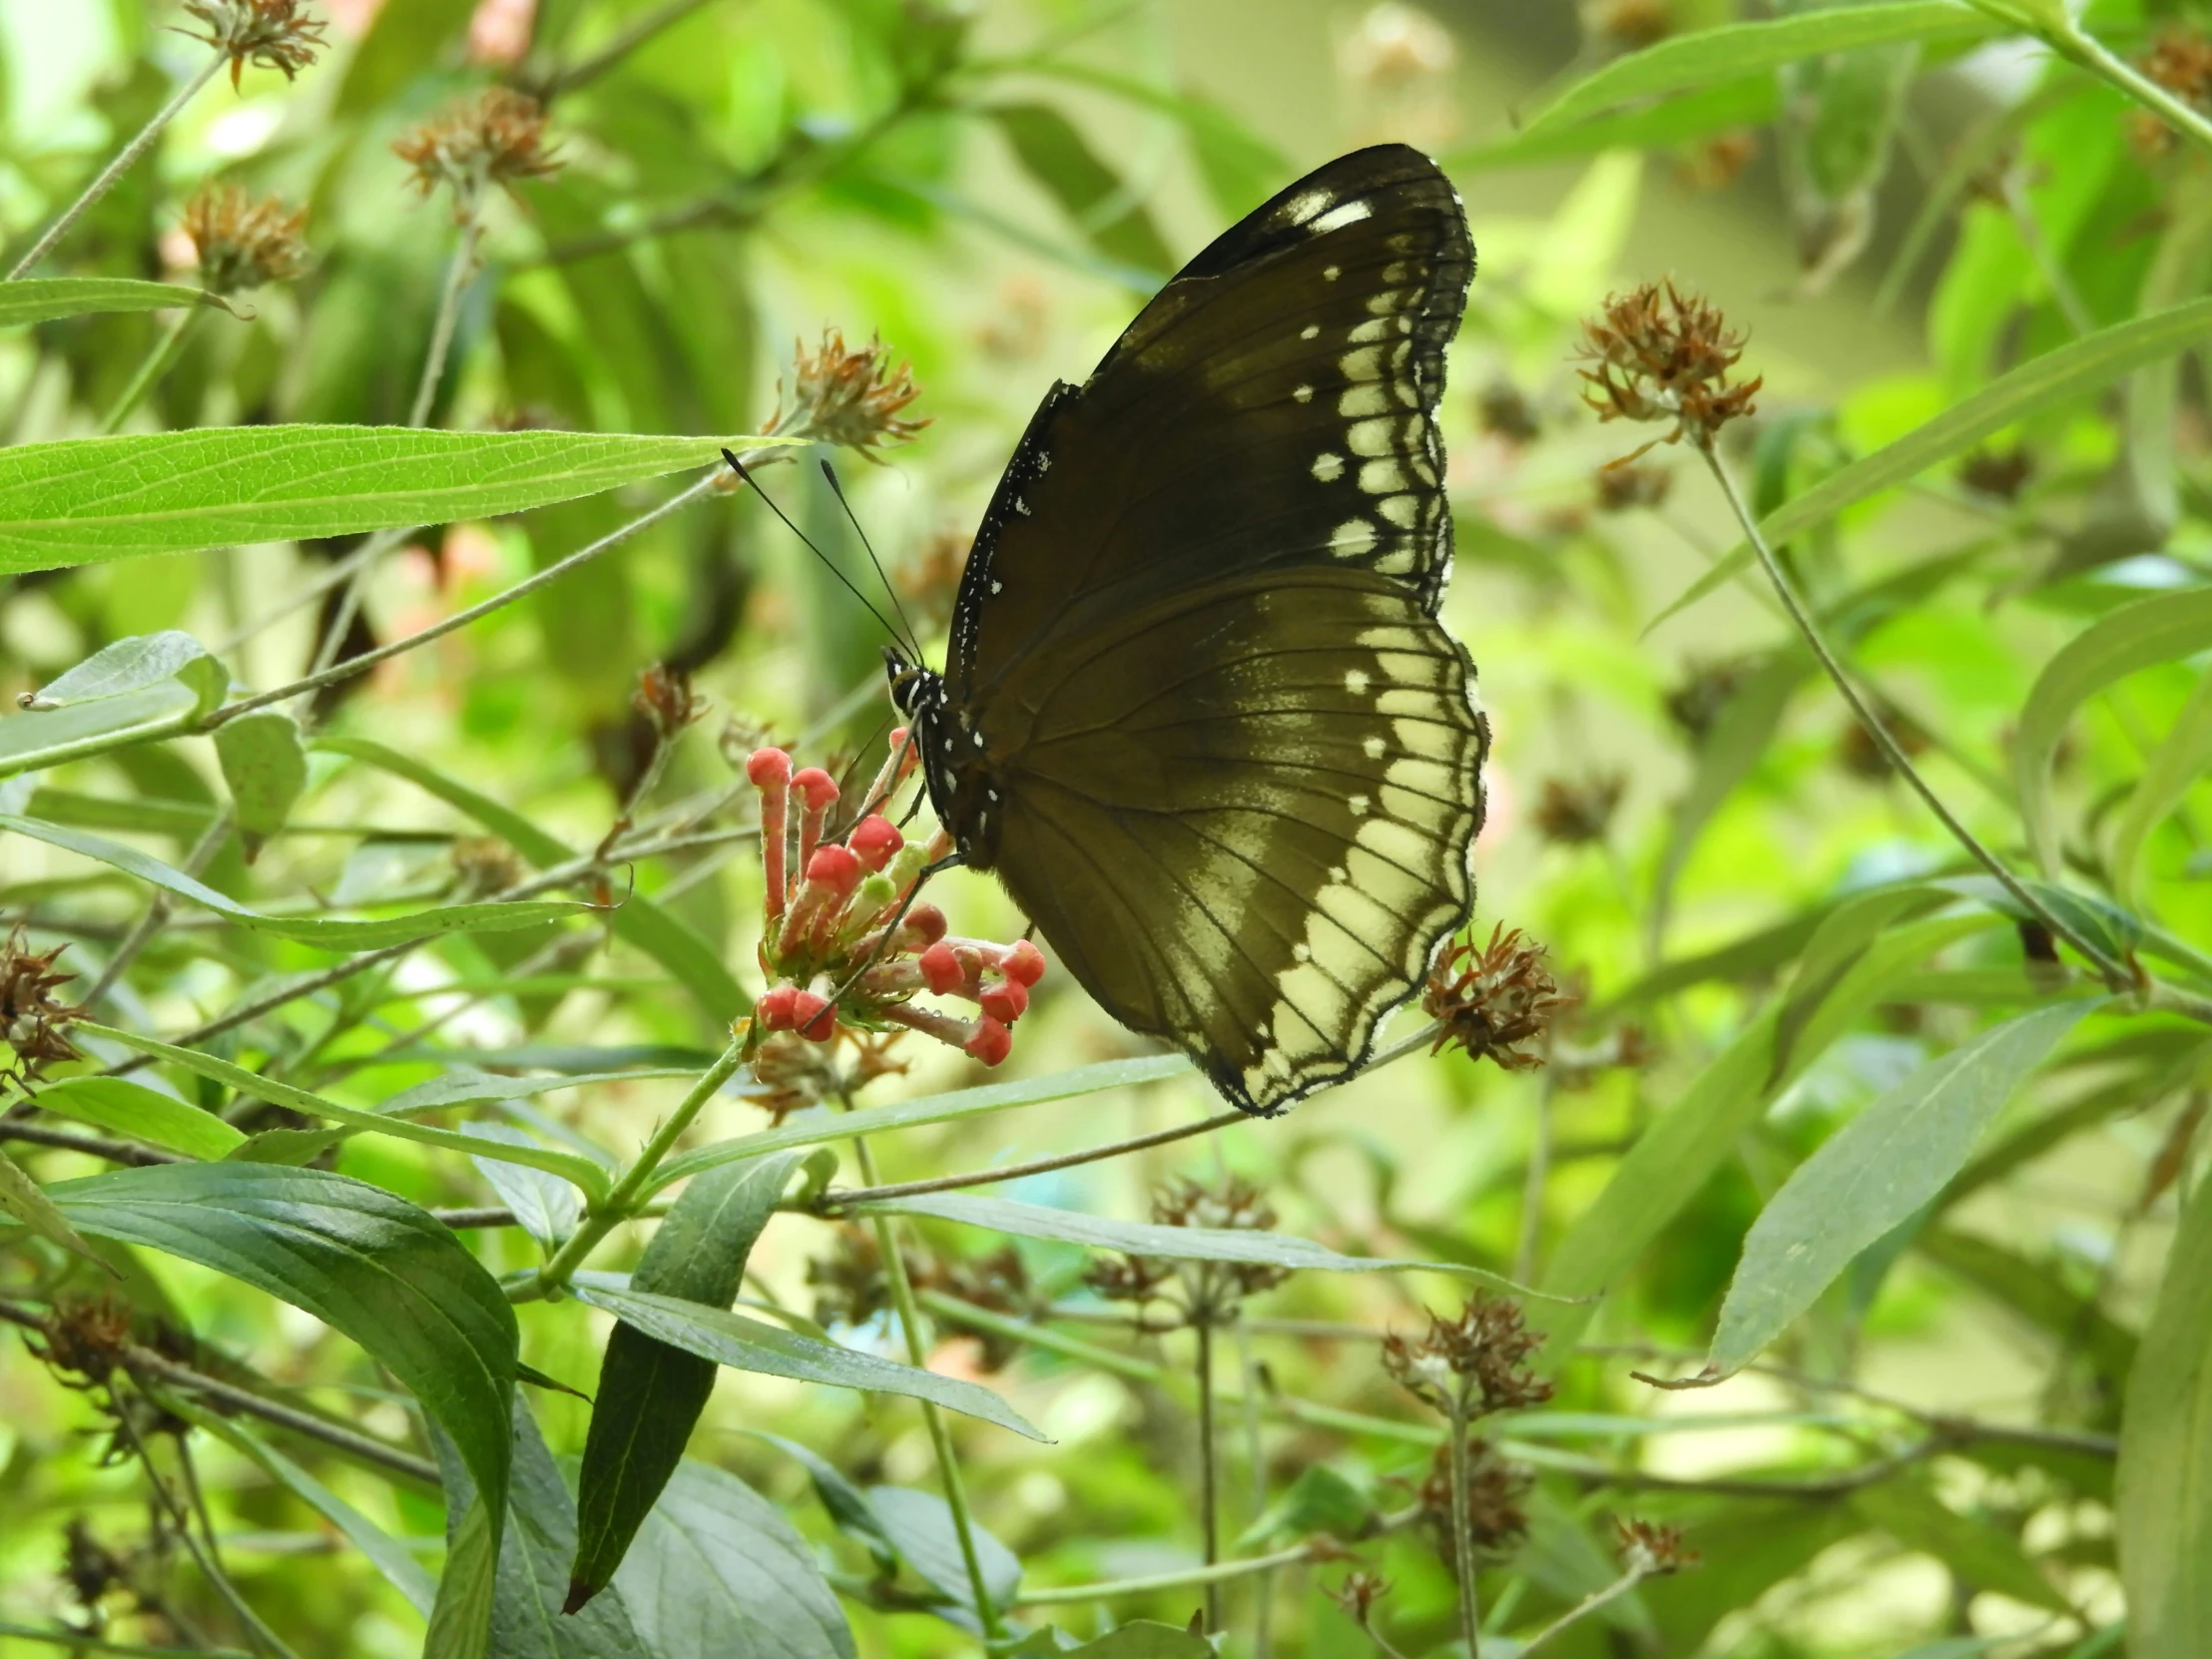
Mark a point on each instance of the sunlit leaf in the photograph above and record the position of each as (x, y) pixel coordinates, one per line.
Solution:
(141, 1113)
(45, 299)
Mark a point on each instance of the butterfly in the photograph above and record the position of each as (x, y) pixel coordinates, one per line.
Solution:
(1198, 711)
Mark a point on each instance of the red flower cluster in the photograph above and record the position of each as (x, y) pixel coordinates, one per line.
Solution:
(833, 945)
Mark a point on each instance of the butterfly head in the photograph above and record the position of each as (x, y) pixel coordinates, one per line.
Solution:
(916, 691)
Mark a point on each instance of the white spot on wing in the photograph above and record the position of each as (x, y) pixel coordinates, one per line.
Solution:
(1327, 467)
(1312, 330)
(1336, 219)
(1357, 682)
(1304, 394)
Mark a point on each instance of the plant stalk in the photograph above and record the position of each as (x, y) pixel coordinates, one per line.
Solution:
(2114, 975)
(150, 370)
(1462, 1532)
(941, 1437)
(124, 159)
(1209, 1504)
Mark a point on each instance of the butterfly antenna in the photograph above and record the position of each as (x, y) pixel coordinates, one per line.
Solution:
(831, 564)
(830, 472)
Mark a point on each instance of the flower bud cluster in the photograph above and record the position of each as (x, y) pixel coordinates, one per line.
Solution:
(835, 945)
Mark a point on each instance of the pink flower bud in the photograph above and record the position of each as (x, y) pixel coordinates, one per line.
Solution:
(1007, 1002)
(898, 735)
(812, 1017)
(1024, 964)
(875, 840)
(991, 1043)
(925, 922)
(768, 767)
(775, 1009)
(942, 968)
(819, 788)
(834, 868)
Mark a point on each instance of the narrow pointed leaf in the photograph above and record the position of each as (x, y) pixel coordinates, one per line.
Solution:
(46, 299)
(127, 665)
(2182, 758)
(27, 1202)
(141, 1113)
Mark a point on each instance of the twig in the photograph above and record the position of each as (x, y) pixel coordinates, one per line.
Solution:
(1316, 1549)
(124, 158)
(150, 368)
(96, 1146)
(621, 46)
(1584, 1608)
(2115, 976)
(836, 1200)
(475, 613)
(157, 911)
(1209, 1503)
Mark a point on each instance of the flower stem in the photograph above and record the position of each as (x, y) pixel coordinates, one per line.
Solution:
(449, 306)
(1584, 1608)
(2086, 51)
(157, 363)
(1462, 1532)
(636, 1181)
(2113, 974)
(475, 613)
(124, 158)
(941, 1437)
(1209, 1504)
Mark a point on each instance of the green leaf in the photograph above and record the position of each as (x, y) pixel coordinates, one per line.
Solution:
(44, 299)
(368, 1264)
(27, 1203)
(1318, 1500)
(316, 930)
(468, 1589)
(1876, 1171)
(1697, 115)
(919, 1528)
(2111, 929)
(747, 1345)
(1738, 739)
(1185, 1244)
(1058, 156)
(1977, 1555)
(1688, 1141)
(83, 500)
(816, 1128)
(2164, 1493)
(637, 922)
(32, 742)
(718, 1571)
(266, 767)
(650, 1394)
(2154, 630)
(141, 1113)
(387, 1555)
(545, 1206)
(520, 1585)
(127, 665)
(587, 1174)
(2050, 381)
(1737, 50)
(2183, 758)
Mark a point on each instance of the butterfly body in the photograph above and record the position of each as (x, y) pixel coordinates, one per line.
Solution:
(1198, 712)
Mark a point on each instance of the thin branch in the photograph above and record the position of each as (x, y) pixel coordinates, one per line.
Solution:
(1317, 1549)
(2116, 975)
(124, 159)
(1584, 1608)
(96, 1146)
(836, 1200)
(475, 613)
(157, 911)
(626, 41)
(150, 368)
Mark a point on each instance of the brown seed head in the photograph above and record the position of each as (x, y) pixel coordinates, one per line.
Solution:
(1503, 409)
(33, 1021)
(1471, 1365)
(1662, 354)
(1236, 1205)
(2180, 60)
(485, 865)
(88, 1336)
(1697, 702)
(497, 137)
(1497, 1490)
(1651, 1551)
(850, 1287)
(1491, 1000)
(1578, 813)
(998, 1281)
(929, 581)
(89, 1567)
(274, 34)
(243, 242)
(2002, 473)
(846, 395)
(1718, 162)
(665, 697)
(1620, 490)
(1629, 25)
(1358, 1594)
(1862, 756)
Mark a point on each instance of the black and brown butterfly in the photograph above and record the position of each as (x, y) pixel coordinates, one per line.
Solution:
(1199, 713)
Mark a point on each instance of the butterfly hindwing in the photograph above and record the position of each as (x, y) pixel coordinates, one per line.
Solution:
(1199, 714)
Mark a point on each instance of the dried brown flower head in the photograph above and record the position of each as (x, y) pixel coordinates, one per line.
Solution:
(665, 697)
(1863, 757)
(1620, 489)
(89, 1567)
(1650, 1550)
(850, 1287)
(1628, 25)
(1491, 1000)
(2002, 473)
(1503, 410)
(929, 581)
(1718, 162)
(1133, 1278)
(243, 242)
(1497, 1491)
(1234, 1205)
(495, 137)
(1705, 691)
(87, 1337)
(998, 1281)
(847, 395)
(1358, 1594)
(485, 865)
(274, 34)
(33, 1021)
(2180, 60)
(1577, 813)
(1627, 1047)
(1662, 354)
(1473, 1365)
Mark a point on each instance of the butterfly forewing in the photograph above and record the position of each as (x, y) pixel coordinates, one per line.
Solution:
(1199, 714)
